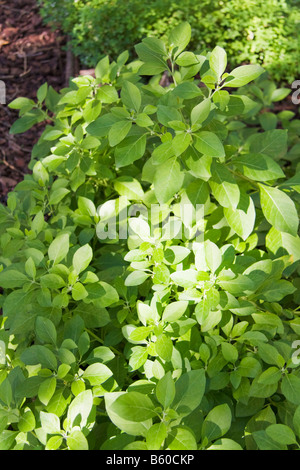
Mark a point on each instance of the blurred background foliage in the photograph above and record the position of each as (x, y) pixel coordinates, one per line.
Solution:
(252, 31)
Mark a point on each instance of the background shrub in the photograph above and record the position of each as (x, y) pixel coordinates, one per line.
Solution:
(256, 31)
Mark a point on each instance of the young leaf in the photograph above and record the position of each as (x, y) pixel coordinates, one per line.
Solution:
(218, 61)
(224, 186)
(217, 422)
(200, 112)
(165, 390)
(168, 180)
(281, 433)
(134, 406)
(209, 144)
(82, 258)
(242, 75)
(242, 218)
(179, 37)
(59, 248)
(279, 209)
(131, 96)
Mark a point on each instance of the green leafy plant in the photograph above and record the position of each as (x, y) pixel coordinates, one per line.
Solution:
(122, 330)
(264, 32)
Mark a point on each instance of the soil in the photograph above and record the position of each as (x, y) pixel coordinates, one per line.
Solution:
(30, 54)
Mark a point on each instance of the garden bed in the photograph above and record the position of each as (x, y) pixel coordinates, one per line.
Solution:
(30, 54)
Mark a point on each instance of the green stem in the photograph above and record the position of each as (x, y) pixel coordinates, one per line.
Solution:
(102, 342)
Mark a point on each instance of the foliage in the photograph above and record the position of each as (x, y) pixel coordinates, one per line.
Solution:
(155, 340)
(257, 31)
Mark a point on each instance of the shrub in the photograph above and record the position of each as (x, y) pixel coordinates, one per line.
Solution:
(182, 337)
(259, 31)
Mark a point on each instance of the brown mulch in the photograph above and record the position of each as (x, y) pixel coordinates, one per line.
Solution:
(30, 54)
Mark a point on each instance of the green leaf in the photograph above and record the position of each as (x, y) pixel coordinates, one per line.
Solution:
(290, 388)
(129, 187)
(46, 390)
(107, 94)
(230, 352)
(168, 180)
(42, 92)
(86, 206)
(45, 330)
(181, 438)
(50, 423)
(200, 112)
(138, 357)
(187, 90)
(52, 281)
(186, 278)
(279, 209)
(270, 376)
(208, 303)
(131, 427)
(154, 60)
(30, 268)
(132, 148)
(218, 61)
(7, 439)
(217, 422)
(57, 195)
(225, 444)
(242, 75)
(277, 241)
(38, 354)
(181, 142)
(156, 435)
(134, 406)
(79, 292)
(165, 390)
(140, 333)
(174, 311)
(80, 406)
(265, 442)
(27, 121)
(209, 144)
(23, 104)
(224, 186)
(136, 278)
(54, 443)
(164, 347)
(82, 258)
(97, 373)
(179, 37)
(190, 389)
(249, 367)
(166, 114)
(259, 167)
(76, 440)
(131, 96)
(242, 218)
(11, 278)
(102, 293)
(175, 254)
(118, 132)
(27, 421)
(272, 143)
(281, 433)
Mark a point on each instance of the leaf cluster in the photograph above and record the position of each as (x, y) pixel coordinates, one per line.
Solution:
(181, 333)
